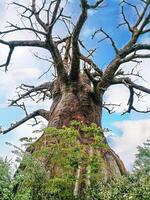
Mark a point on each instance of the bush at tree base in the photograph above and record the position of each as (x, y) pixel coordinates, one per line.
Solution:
(34, 182)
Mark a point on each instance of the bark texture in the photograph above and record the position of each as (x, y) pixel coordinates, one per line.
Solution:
(74, 101)
(77, 101)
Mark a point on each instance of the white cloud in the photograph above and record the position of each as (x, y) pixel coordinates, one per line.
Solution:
(117, 95)
(10, 80)
(134, 133)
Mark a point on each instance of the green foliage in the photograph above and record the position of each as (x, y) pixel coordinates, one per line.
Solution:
(5, 180)
(142, 162)
(135, 186)
(122, 188)
(48, 174)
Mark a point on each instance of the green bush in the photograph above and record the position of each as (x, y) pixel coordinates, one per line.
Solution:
(123, 188)
(62, 153)
(5, 181)
(135, 186)
(32, 181)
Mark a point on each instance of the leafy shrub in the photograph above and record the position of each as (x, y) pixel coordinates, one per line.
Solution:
(35, 181)
(5, 180)
(50, 171)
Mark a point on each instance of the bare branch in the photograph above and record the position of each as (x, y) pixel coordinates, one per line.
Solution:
(22, 6)
(137, 47)
(131, 47)
(145, 31)
(141, 16)
(133, 72)
(75, 64)
(8, 58)
(13, 44)
(24, 43)
(36, 13)
(127, 81)
(133, 57)
(40, 112)
(133, 6)
(92, 66)
(107, 37)
(17, 28)
(131, 86)
(96, 5)
(58, 62)
(52, 46)
(47, 86)
(54, 17)
(141, 111)
(90, 76)
(91, 63)
(60, 41)
(49, 44)
(131, 99)
(125, 19)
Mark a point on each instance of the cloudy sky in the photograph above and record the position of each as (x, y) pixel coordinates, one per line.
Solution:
(127, 131)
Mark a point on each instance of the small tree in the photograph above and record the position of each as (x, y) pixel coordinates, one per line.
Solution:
(79, 84)
(5, 180)
(142, 162)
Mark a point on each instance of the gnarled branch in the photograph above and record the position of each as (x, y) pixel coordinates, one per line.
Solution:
(61, 72)
(36, 13)
(13, 44)
(131, 47)
(75, 63)
(130, 83)
(47, 86)
(131, 86)
(41, 112)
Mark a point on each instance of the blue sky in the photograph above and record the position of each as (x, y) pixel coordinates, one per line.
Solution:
(127, 131)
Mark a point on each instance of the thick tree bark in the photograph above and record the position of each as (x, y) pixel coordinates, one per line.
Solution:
(76, 101)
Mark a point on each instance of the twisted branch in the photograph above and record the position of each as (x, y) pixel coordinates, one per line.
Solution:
(41, 112)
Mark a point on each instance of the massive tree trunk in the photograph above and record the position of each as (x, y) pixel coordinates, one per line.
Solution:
(77, 101)
(74, 101)
(78, 88)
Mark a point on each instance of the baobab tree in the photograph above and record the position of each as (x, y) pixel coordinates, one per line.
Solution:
(79, 84)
